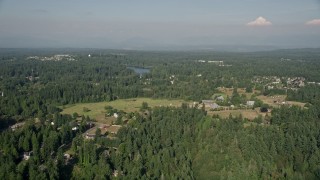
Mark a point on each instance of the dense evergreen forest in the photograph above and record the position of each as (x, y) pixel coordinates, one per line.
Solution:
(161, 142)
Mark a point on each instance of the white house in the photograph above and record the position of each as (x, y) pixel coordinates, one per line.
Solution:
(250, 103)
(75, 128)
(27, 155)
(220, 98)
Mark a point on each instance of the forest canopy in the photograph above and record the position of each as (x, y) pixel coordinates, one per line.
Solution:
(189, 141)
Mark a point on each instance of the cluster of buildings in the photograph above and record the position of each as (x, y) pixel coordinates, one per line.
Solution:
(296, 82)
(274, 82)
(266, 80)
(314, 83)
(218, 63)
(172, 78)
(214, 106)
(58, 57)
(219, 102)
(32, 78)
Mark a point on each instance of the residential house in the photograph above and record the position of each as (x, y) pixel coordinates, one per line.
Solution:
(207, 102)
(250, 103)
(214, 106)
(27, 155)
(75, 128)
(90, 136)
(116, 115)
(220, 98)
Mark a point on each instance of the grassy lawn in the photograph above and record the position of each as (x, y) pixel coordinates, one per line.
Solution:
(296, 103)
(270, 99)
(280, 98)
(127, 105)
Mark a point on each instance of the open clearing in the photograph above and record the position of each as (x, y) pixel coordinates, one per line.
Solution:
(130, 105)
(270, 100)
(249, 113)
(127, 105)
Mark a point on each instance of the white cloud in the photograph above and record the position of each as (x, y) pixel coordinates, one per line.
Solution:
(260, 21)
(314, 22)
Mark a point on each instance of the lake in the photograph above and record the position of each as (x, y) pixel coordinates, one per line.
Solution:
(139, 70)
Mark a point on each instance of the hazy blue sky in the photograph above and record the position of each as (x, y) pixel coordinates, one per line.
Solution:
(143, 24)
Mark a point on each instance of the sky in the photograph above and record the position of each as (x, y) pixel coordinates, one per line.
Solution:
(165, 24)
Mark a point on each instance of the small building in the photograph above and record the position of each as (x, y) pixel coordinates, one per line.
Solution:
(115, 173)
(220, 98)
(116, 115)
(270, 87)
(207, 102)
(67, 156)
(250, 103)
(27, 155)
(214, 106)
(75, 128)
(90, 136)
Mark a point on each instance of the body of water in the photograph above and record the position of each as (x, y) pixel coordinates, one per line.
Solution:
(139, 70)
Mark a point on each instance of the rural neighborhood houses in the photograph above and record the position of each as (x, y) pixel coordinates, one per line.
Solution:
(220, 63)
(296, 82)
(57, 57)
(274, 82)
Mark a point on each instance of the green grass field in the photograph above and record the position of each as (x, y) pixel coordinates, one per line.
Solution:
(127, 105)
(249, 113)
